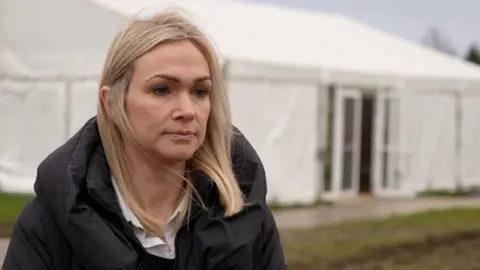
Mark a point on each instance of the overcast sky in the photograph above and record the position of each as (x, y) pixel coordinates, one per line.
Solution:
(459, 20)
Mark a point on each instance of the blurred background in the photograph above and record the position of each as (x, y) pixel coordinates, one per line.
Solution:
(365, 114)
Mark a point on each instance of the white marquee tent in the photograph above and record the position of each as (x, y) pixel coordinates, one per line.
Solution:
(278, 64)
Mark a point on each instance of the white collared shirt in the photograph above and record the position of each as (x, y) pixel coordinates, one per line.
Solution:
(153, 245)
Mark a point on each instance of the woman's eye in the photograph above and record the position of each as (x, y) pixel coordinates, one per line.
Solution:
(200, 92)
(161, 91)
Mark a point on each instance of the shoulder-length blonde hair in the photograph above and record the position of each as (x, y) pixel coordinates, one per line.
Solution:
(213, 158)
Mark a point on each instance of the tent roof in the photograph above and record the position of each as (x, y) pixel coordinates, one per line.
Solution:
(272, 34)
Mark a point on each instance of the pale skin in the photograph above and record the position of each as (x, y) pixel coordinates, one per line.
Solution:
(168, 105)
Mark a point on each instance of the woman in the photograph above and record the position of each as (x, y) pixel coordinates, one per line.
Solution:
(149, 183)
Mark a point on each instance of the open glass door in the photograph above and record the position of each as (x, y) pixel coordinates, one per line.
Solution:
(389, 159)
(346, 142)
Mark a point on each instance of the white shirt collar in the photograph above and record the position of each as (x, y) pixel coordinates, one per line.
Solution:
(127, 213)
(152, 244)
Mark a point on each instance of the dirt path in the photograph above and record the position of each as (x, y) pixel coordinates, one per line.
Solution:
(365, 208)
(3, 250)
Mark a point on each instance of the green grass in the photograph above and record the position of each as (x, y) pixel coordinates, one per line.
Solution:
(10, 207)
(450, 193)
(330, 245)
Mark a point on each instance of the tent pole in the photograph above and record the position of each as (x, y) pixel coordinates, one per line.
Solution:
(324, 85)
(458, 140)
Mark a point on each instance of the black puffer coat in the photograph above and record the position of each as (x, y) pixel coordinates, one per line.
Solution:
(75, 221)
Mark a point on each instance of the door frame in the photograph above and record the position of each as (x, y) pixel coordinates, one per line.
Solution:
(341, 95)
(392, 148)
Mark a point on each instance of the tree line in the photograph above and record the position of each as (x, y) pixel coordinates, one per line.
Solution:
(434, 38)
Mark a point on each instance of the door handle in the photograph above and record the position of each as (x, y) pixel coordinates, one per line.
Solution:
(321, 154)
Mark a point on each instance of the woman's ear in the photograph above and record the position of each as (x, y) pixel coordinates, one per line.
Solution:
(106, 100)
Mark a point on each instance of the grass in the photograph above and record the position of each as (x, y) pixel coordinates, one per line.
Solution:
(10, 207)
(451, 193)
(329, 247)
(450, 252)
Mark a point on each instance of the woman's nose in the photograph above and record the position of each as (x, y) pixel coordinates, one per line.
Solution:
(184, 107)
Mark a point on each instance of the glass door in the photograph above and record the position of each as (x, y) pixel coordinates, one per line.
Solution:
(346, 142)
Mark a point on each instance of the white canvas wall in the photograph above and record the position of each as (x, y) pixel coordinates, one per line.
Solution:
(422, 153)
(32, 124)
(83, 103)
(427, 132)
(279, 118)
(423, 137)
(470, 146)
(35, 122)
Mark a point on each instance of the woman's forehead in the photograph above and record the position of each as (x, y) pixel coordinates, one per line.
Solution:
(178, 60)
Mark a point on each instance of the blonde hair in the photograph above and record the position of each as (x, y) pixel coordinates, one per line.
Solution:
(214, 156)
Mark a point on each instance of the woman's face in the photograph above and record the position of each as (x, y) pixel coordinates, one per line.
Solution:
(168, 100)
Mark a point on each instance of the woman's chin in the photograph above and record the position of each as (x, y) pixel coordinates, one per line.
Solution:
(177, 155)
